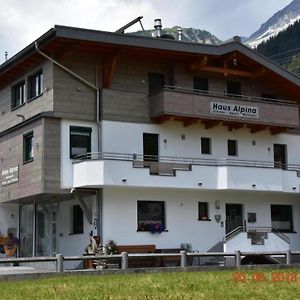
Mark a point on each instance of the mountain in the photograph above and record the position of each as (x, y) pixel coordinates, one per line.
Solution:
(188, 35)
(284, 48)
(277, 23)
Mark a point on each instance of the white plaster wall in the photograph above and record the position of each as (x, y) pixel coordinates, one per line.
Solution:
(9, 216)
(66, 162)
(120, 216)
(116, 137)
(73, 244)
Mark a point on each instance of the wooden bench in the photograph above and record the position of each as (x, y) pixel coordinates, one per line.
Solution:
(139, 262)
(170, 261)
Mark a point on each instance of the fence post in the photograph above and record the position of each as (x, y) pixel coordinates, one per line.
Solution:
(59, 263)
(124, 261)
(237, 258)
(288, 257)
(183, 259)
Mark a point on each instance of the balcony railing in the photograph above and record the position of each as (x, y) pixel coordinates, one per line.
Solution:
(138, 159)
(189, 105)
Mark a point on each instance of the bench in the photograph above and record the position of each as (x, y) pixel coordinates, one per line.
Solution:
(170, 261)
(138, 262)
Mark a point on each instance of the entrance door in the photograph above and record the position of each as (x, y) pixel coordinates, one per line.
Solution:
(280, 156)
(150, 143)
(234, 216)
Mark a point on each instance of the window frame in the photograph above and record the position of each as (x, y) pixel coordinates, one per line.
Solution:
(86, 131)
(21, 88)
(35, 83)
(75, 227)
(209, 145)
(28, 155)
(203, 211)
(144, 225)
(236, 153)
(280, 208)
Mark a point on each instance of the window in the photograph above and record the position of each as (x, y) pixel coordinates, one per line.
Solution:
(35, 87)
(282, 217)
(155, 82)
(18, 95)
(205, 145)
(234, 88)
(232, 147)
(80, 140)
(200, 84)
(150, 213)
(77, 219)
(203, 211)
(28, 147)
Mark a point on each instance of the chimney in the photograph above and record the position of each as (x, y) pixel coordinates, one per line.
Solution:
(157, 26)
(237, 39)
(179, 34)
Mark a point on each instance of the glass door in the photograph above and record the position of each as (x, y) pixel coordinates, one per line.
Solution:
(234, 216)
(26, 230)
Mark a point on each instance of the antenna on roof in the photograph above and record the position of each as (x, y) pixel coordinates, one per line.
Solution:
(122, 29)
(6, 55)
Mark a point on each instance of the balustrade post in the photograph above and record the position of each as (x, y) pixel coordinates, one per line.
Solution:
(124, 261)
(59, 263)
(237, 258)
(183, 259)
(288, 256)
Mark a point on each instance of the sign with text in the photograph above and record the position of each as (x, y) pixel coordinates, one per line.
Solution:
(10, 175)
(234, 110)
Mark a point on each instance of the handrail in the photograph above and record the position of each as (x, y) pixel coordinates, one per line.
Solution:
(124, 256)
(224, 94)
(183, 160)
(239, 229)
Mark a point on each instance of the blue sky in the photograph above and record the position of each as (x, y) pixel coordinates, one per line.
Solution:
(21, 22)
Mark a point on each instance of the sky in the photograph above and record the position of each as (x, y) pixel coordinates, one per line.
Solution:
(23, 21)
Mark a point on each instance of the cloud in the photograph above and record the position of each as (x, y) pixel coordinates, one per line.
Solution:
(21, 22)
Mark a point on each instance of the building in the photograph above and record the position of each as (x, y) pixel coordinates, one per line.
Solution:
(120, 135)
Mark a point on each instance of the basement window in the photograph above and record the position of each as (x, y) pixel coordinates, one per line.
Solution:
(35, 85)
(151, 215)
(18, 95)
(282, 217)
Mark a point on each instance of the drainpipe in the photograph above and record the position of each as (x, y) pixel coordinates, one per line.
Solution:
(99, 128)
(92, 86)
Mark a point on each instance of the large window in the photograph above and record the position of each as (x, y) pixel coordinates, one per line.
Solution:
(234, 88)
(282, 217)
(205, 145)
(150, 214)
(76, 219)
(80, 140)
(232, 146)
(28, 147)
(35, 87)
(18, 95)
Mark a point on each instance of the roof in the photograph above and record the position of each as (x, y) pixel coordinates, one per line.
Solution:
(155, 44)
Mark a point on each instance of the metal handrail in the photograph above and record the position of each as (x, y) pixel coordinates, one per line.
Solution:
(224, 94)
(239, 229)
(183, 160)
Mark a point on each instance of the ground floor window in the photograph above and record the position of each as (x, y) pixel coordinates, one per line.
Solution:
(151, 216)
(203, 211)
(282, 217)
(76, 219)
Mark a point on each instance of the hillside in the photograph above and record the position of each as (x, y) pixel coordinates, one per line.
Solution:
(188, 35)
(284, 48)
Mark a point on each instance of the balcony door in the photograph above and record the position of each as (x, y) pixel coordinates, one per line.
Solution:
(150, 145)
(280, 157)
(234, 216)
(156, 82)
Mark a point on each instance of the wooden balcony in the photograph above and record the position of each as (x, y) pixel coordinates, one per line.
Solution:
(234, 111)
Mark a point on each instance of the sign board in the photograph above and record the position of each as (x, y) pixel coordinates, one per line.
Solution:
(10, 175)
(234, 110)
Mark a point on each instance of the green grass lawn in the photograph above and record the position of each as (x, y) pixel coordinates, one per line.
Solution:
(256, 284)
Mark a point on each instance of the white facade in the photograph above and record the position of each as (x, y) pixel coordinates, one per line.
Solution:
(255, 188)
